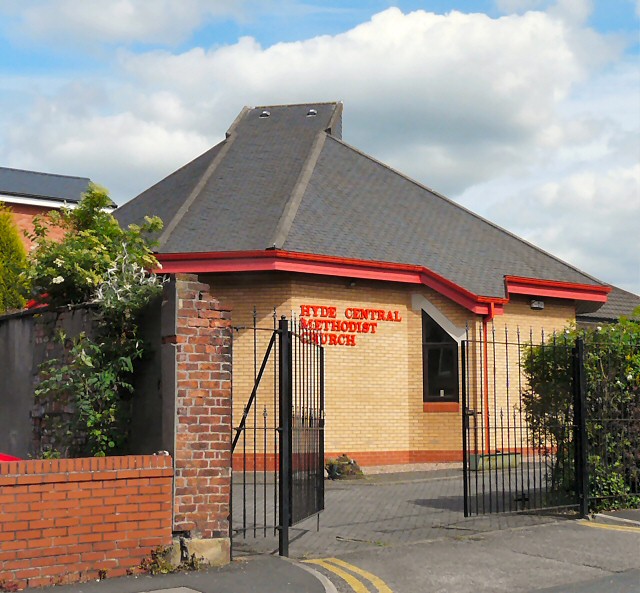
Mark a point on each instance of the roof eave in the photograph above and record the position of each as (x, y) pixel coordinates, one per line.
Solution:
(537, 287)
(325, 265)
(305, 263)
(40, 201)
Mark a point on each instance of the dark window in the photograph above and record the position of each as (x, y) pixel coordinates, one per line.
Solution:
(439, 363)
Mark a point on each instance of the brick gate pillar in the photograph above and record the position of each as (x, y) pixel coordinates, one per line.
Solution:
(202, 434)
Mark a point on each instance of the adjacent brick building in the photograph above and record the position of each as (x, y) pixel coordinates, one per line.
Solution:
(30, 193)
(284, 216)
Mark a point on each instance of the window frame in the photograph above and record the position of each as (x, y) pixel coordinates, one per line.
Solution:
(444, 344)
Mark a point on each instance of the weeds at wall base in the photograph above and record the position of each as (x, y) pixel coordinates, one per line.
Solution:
(9, 586)
(159, 563)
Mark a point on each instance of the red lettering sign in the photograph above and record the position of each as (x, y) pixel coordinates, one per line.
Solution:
(319, 323)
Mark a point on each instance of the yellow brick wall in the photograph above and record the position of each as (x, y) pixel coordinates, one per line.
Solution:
(431, 430)
(269, 294)
(374, 397)
(367, 408)
(507, 336)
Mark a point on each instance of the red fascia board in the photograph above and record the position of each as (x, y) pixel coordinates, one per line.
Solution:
(287, 261)
(555, 289)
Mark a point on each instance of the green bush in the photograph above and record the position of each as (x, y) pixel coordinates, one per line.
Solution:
(612, 369)
(69, 272)
(100, 263)
(13, 262)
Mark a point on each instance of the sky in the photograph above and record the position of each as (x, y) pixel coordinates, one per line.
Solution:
(527, 112)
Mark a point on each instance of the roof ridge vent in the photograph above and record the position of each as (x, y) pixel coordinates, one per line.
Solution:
(312, 112)
(264, 114)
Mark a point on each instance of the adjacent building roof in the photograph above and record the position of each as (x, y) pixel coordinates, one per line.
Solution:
(42, 189)
(284, 186)
(620, 303)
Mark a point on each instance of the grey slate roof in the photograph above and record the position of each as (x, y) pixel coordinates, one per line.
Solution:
(289, 180)
(619, 303)
(32, 184)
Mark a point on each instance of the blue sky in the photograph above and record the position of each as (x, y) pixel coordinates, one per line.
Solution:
(525, 111)
(288, 21)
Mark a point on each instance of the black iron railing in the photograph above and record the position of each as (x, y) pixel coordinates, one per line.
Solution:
(518, 438)
(548, 422)
(278, 441)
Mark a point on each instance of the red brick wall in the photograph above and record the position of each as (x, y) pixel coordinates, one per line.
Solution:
(23, 215)
(64, 520)
(203, 411)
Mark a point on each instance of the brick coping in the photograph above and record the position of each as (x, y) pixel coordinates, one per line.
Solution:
(37, 471)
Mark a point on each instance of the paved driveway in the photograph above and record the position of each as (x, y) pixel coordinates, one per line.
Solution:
(376, 512)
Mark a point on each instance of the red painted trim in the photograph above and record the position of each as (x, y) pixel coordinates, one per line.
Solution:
(441, 407)
(485, 395)
(555, 289)
(269, 462)
(308, 263)
(287, 261)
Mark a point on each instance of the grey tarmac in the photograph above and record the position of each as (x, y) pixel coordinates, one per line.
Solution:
(408, 533)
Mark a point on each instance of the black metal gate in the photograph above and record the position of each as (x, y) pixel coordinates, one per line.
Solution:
(540, 417)
(278, 442)
(523, 443)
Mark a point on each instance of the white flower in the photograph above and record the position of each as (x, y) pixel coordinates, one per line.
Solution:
(599, 328)
(629, 377)
(58, 280)
(58, 261)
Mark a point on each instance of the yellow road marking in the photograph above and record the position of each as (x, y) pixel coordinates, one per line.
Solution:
(354, 583)
(378, 583)
(611, 527)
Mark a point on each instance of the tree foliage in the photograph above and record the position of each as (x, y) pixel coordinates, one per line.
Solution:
(97, 262)
(13, 261)
(68, 272)
(612, 369)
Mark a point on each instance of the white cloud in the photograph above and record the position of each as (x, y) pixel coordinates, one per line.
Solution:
(594, 222)
(581, 199)
(576, 11)
(451, 99)
(124, 21)
(511, 113)
(123, 151)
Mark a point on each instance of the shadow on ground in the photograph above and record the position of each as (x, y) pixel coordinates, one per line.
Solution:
(378, 511)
